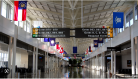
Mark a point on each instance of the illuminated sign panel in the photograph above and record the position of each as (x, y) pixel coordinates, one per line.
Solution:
(51, 33)
(93, 33)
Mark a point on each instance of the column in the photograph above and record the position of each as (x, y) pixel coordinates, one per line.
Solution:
(137, 57)
(0, 6)
(114, 63)
(47, 60)
(10, 55)
(96, 62)
(132, 48)
(111, 62)
(36, 67)
(103, 61)
(34, 61)
(14, 51)
(53, 62)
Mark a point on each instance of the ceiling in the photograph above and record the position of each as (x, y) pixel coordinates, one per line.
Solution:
(96, 13)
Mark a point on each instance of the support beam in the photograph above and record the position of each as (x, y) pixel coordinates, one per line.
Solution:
(132, 51)
(105, 10)
(52, 20)
(10, 55)
(42, 10)
(14, 51)
(81, 13)
(114, 63)
(62, 13)
(137, 56)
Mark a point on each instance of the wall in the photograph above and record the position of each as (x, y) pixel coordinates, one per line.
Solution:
(21, 58)
(124, 60)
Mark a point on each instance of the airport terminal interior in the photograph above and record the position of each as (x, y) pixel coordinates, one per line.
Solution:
(68, 38)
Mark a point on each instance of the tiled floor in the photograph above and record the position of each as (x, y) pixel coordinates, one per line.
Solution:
(70, 73)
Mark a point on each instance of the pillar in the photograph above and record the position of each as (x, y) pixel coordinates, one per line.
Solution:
(14, 51)
(36, 64)
(132, 47)
(114, 63)
(10, 55)
(96, 62)
(47, 60)
(53, 62)
(137, 57)
(34, 61)
(111, 62)
(103, 61)
(0, 6)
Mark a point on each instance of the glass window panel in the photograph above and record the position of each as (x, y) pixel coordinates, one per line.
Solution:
(131, 15)
(127, 24)
(11, 16)
(135, 17)
(118, 30)
(123, 28)
(131, 22)
(16, 23)
(3, 12)
(28, 27)
(21, 24)
(25, 25)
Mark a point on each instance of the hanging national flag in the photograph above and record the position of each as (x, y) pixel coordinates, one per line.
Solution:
(74, 49)
(95, 43)
(57, 45)
(100, 40)
(61, 50)
(20, 10)
(38, 24)
(52, 41)
(118, 19)
(46, 40)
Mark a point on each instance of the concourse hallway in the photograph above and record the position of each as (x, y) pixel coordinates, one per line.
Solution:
(68, 39)
(74, 72)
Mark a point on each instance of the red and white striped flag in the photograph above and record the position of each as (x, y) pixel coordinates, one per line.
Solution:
(20, 10)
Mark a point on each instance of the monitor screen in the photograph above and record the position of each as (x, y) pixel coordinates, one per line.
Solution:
(108, 57)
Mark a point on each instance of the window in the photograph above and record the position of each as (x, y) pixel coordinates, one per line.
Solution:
(21, 24)
(16, 23)
(24, 25)
(28, 27)
(4, 6)
(11, 15)
(136, 17)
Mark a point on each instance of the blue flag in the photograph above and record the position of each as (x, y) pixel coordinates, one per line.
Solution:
(74, 49)
(118, 19)
(100, 40)
(95, 43)
(46, 39)
(52, 41)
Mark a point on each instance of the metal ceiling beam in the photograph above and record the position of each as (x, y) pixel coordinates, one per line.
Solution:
(56, 21)
(90, 21)
(42, 10)
(46, 24)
